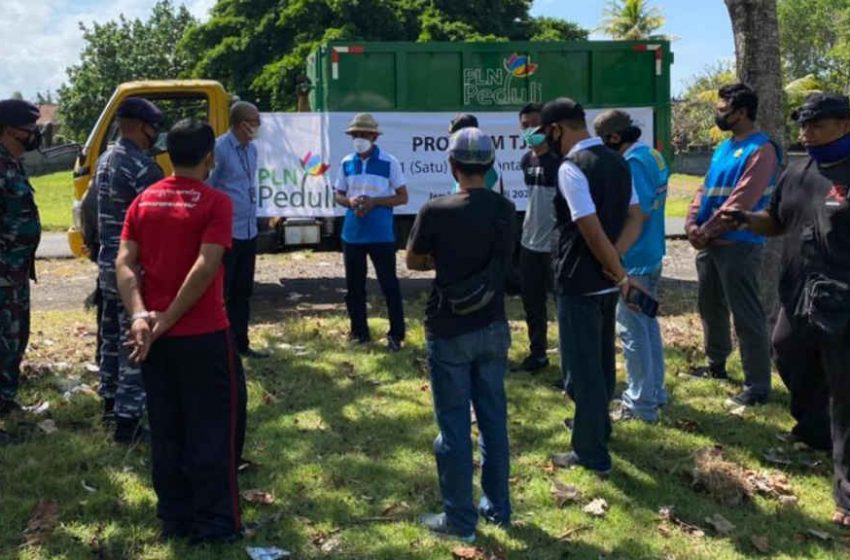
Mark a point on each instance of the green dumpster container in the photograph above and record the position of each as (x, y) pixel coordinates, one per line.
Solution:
(479, 77)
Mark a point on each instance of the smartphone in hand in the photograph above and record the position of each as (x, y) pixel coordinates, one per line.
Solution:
(643, 301)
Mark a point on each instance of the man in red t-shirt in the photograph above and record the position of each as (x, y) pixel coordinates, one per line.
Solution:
(170, 279)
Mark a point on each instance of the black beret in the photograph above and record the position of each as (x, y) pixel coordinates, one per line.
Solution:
(822, 106)
(139, 108)
(561, 109)
(17, 112)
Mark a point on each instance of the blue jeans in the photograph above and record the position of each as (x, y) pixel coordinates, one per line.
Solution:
(586, 325)
(471, 367)
(644, 354)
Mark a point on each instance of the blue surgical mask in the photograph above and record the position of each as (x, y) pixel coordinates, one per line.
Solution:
(533, 138)
(832, 152)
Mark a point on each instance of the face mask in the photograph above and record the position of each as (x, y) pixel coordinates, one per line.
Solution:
(614, 146)
(33, 141)
(362, 145)
(722, 122)
(533, 139)
(832, 152)
(255, 133)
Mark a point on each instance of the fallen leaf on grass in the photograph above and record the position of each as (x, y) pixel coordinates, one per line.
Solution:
(668, 517)
(687, 425)
(738, 411)
(788, 501)
(821, 535)
(395, 509)
(88, 488)
(564, 493)
(48, 426)
(257, 497)
(597, 508)
(37, 409)
(720, 524)
(467, 553)
(777, 457)
(761, 543)
(570, 533)
(44, 517)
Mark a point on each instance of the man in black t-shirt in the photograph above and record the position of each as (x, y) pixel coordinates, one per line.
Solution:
(540, 171)
(812, 335)
(468, 239)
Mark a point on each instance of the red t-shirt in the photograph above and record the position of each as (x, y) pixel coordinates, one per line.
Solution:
(169, 221)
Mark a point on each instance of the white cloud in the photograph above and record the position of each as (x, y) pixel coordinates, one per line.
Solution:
(42, 37)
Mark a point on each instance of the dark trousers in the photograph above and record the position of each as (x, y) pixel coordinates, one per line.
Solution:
(239, 264)
(382, 256)
(537, 279)
(797, 356)
(587, 325)
(728, 282)
(14, 336)
(193, 396)
(835, 363)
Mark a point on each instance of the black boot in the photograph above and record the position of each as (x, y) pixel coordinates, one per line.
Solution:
(129, 431)
(108, 415)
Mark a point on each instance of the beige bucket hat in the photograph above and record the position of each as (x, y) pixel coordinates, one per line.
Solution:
(363, 122)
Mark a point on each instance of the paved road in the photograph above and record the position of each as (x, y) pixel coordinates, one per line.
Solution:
(54, 245)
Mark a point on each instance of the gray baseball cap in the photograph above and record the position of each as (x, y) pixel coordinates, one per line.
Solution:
(472, 145)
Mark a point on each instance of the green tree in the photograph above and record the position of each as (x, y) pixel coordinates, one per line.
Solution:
(693, 112)
(17, 95)
(259, 49)
(631, 20)
(815, 39)
(120, 51)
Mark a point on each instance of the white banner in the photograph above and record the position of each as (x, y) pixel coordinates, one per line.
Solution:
(291, 186)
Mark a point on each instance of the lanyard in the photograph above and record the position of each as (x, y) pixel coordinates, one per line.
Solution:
(245, 162)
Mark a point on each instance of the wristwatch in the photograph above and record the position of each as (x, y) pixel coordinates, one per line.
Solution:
(141, 315)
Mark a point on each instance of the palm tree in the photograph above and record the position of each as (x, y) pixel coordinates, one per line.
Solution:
(631, 20)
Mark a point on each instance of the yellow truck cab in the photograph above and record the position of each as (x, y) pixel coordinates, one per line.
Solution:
(178, 99)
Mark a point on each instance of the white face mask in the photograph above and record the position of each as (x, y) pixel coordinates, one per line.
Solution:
(255, 132)
(362, 145)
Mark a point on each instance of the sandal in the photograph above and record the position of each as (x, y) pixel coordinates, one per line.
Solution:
(841, 518)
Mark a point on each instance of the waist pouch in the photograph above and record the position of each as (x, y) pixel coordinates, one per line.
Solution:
(474, 292)
(824, 305)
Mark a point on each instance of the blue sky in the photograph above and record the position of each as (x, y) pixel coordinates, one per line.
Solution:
(702, 27)
(41, 37)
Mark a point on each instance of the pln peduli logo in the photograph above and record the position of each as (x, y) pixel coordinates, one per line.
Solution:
(520, 65)
(313, 165)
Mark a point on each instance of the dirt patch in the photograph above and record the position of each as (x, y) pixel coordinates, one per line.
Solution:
(309, 280)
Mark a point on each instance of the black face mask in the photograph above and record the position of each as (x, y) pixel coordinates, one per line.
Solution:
(722, 122)
(33, 141)
(614, 145)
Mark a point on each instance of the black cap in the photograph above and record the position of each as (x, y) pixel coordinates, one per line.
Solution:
(463, 120)
(138, 108)
(561, 109)
(17, 112)
(822, 106)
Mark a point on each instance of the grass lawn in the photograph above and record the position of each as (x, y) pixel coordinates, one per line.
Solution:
(681, 192)
(54, 195)
(343, 436)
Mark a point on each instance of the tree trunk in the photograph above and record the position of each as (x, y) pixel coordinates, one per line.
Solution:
(756, 28)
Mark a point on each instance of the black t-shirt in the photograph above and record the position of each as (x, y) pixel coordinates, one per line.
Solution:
(459, 231)
(810, 204)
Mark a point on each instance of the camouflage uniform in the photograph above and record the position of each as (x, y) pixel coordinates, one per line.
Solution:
(122, 173)
(20, 233)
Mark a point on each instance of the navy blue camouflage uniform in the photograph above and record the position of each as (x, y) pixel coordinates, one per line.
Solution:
(123, 172)
(20, 233)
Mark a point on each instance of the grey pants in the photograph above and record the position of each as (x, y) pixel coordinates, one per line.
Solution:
(728, 281)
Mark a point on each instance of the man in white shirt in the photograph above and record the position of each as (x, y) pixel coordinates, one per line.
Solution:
(598, 218)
